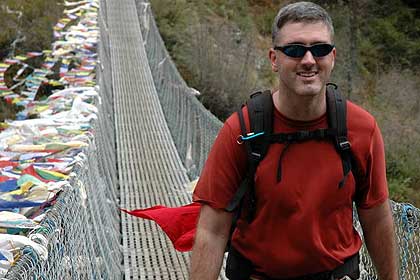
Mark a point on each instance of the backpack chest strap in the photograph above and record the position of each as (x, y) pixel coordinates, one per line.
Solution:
(303, 135)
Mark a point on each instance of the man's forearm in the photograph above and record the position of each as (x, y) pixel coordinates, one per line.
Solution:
(207, 256)
(379, 235)
(210, 243)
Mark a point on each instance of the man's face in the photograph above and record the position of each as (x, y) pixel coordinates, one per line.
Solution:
(307, 75)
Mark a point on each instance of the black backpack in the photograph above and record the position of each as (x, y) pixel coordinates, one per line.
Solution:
(257, 141)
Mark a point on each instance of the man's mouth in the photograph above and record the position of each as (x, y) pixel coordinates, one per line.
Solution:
(308, 74)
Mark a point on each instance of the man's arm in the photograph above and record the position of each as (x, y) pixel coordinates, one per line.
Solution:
(210, 242)
(378, 230)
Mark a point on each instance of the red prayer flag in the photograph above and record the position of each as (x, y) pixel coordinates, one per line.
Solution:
(5, 178)
(179, 223)
(30, 170)
(54, 160)
(6, 163)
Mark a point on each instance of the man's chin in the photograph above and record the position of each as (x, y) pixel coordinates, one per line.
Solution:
(308, 91)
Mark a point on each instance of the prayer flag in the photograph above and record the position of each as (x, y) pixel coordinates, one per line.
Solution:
(6, 205)
(51, 175)
(34, 54)
(179, 223)
(6, 163)
(32, 175)
(9, 185)
(3, 257)
(5, 178)
(21, 57)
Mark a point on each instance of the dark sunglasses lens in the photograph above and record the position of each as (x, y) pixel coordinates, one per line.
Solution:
(294, 50)
(321, 49)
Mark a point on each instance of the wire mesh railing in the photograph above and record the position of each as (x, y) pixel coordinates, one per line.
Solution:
(81, 231)
(407, 231)
(193, 128)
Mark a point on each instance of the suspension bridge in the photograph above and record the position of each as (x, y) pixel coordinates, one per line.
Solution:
(151, 139)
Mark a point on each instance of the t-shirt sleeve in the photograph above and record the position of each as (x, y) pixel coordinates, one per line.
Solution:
(374, 189)
(224, 168)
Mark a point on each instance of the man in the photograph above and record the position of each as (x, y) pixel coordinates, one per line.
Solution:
(303, 223)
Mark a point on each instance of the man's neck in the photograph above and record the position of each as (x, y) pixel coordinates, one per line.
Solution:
(298, 107)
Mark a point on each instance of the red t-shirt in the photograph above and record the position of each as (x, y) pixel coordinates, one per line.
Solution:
(304, 223)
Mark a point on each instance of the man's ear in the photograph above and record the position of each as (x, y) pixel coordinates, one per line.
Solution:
(334, 53)
(273, 59)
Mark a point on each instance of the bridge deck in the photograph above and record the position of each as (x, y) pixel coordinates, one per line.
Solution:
(149, 168)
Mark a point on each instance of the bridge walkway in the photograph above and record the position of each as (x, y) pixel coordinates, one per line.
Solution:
(149, 169)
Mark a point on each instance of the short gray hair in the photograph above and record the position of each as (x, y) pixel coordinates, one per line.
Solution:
(307, 12)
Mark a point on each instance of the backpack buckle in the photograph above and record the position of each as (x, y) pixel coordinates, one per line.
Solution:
(255, 156)
(240, 139)
(345, 145)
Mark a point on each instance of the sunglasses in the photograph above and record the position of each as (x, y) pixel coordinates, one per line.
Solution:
(299, 51)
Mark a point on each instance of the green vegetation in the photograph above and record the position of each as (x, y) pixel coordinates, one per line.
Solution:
(220, 48)
(8, 111)
(32, 21)
(27, 25)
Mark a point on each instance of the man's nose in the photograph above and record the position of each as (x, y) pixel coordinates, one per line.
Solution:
(308, 58)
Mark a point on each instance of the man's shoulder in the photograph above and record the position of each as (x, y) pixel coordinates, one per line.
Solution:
(233, 120)
(358, 117)
(361, 126)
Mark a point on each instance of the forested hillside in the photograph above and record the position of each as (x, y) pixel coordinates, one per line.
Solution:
(221, 46)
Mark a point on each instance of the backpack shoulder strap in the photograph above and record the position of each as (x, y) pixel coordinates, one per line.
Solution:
(260, 115)
(337, 121)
